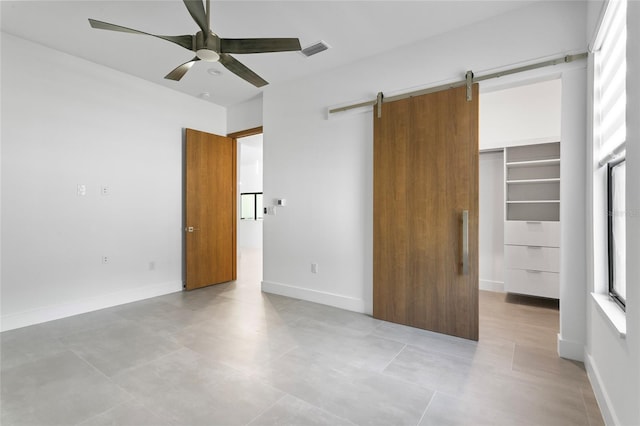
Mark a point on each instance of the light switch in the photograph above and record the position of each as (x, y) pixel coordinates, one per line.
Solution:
(82, 190)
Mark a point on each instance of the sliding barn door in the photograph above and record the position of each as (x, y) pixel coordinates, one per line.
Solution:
(426, 212)
(210, 209)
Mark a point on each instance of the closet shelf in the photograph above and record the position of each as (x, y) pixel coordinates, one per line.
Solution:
(516, 181)
(533, 201)
(532, 194)
(529, 163)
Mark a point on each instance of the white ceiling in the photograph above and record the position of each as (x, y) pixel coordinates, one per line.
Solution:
(354, 29)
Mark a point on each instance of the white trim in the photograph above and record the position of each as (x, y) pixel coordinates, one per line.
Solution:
(618, 152)
(488, 285)
(325, 298)
(532, 141)
(570, 349)
(612, 313)
(63, 310)
(604, 401)
(598, 33)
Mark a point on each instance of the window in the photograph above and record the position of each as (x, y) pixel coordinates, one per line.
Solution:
(617, 231)
(251, 206)
(610, 135)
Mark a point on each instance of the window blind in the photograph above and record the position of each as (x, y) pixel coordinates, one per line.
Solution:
(611, 74)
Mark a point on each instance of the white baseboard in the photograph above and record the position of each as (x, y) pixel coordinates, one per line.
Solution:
(604, 402)
(63, 310)
(570, 350)
(325, 298)
(497, 286)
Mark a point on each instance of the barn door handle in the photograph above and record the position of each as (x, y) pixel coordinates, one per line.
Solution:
(465, 242)
(191, 229)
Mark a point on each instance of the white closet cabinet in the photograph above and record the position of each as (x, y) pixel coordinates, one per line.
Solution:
(532, 220)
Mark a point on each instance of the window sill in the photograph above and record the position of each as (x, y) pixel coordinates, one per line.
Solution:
(612, 313)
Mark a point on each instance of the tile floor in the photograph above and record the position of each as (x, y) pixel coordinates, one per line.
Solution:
(230, 355)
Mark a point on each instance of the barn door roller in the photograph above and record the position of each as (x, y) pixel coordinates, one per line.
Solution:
(469, 82)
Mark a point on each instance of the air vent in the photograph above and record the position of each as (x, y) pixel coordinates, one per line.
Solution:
(315, 48)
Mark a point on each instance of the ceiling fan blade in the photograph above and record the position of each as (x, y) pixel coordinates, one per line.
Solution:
(181, 70)
(259, 45)
(241, 70)
(196, 9)
(185, 41)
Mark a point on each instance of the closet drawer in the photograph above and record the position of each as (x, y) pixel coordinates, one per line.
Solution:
(542, 284)
(532, 257)
(526, 233)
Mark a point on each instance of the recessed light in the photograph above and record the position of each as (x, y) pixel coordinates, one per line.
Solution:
(214, 72)
(204, 95)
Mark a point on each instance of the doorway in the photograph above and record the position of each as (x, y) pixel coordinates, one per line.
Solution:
(519, 180)
(250, 208)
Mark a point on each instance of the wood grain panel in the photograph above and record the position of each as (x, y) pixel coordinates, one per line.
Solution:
(210, 182)
(425, 175)
(391, 138)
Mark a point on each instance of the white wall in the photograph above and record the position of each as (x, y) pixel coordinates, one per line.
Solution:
(250, 178)
(520, 115)
(633, 200)
(491, 239)
(67, 121)
(324, 167)
(244, 116)
(613, 362)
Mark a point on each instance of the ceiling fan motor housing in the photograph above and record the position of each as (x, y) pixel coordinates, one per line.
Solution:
(207, 49)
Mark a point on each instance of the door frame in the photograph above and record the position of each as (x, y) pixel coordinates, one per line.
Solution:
(245, 133)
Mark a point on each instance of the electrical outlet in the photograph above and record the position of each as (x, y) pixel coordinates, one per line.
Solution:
(81, 190)
(105, 190)
(105, 259)
(314, 268)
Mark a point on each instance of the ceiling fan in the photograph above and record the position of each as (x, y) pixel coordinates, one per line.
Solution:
(212, 48)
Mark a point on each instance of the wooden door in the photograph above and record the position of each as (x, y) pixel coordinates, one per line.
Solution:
(425, 177)
(210, 209)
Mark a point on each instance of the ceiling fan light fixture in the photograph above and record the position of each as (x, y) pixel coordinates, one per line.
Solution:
(207, 55)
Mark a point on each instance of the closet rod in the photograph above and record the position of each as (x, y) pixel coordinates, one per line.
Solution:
(561, 60)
